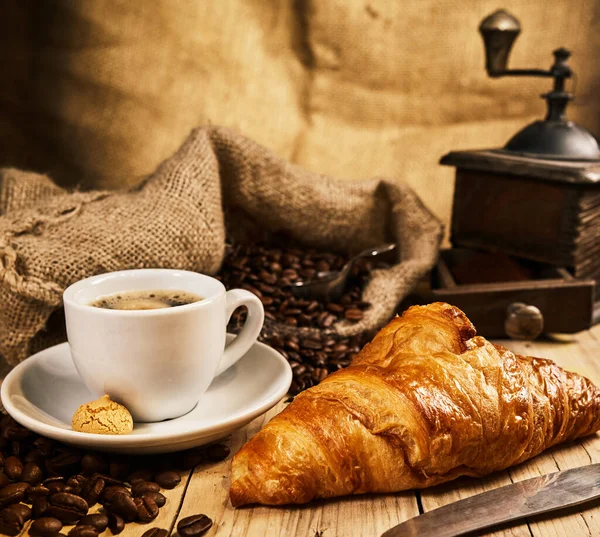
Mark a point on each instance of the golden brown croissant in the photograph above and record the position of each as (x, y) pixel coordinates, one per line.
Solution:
(425, 402)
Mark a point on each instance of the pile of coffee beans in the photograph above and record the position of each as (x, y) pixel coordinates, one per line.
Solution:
(267, 271)
(56, 485)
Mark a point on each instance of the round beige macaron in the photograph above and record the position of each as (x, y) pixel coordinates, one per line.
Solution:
(102, 416)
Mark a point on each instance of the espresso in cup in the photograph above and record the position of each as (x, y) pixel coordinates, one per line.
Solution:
(146, 300)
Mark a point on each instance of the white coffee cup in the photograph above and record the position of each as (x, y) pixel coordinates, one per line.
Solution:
(156, 362)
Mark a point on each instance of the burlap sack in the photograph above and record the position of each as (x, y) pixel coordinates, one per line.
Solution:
(177, 219)
(350, 88)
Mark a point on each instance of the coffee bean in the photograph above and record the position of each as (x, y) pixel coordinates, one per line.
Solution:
(64, 463)
(217, 452)
(4, 480)
(155, 532)
(147, 510)
(23, 510)
(290, 274)
(11, 522)
(110, 481)
(141, 487)
(168, 479)
(17, 448)
(312, 344)
(299, 370)
(13, 493)
(140, 475)
(353, 314)
(118, 469)
(32, 474)
(320, 374)
(328, 321)
(191, 458)
(292, 321)
(267, 289)
(45, 526)
(67, 507)
(335, 308)
(123, 505)
(44, 445)
(39, 506)
(266, 300)
(323, 266)
(13, 468)
(14, 431)
(37, 491)
(94, 463)
(83, 531)
(56, 486)
(292, 345)
(156, 497)
(193, 526)
(93, 489)
(109, 492)
(116, 524)
(99, 521)
(54, 479)
(76, 483)
(267, 277)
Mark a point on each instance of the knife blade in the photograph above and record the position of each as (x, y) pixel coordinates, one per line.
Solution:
(505, 504)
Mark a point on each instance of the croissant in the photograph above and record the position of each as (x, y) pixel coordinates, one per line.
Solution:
(425, 402)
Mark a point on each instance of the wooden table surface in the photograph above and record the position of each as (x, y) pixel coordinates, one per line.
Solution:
(205, 489)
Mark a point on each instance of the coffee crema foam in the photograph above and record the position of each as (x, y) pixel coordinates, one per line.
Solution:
(146, 300)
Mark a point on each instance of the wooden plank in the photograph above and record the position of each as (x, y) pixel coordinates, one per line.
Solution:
(355, 516)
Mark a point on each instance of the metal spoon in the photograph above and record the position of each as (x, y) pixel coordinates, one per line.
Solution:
(331, 285)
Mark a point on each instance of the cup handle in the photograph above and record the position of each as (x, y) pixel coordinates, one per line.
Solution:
(246, 338)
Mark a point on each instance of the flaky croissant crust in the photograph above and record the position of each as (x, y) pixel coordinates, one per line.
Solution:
(425, 402)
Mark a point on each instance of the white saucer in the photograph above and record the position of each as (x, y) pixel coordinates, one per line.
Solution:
(43, 392)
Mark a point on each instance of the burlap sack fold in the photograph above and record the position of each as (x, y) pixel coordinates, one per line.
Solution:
(178, 218)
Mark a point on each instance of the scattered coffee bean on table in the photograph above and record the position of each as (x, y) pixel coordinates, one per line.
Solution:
(140, 475)
(156, 532)
(45, 526)
(13, 493)
(55, 484)
(83, 531)
(147, 510)
(168, 479)
(11, 522)
(193, 526)
(267, 271)
(39, 506)
(122, 504)
(99, 521)
(23, 511)
(13, 468)
(115, 523)
(141, 487)
(156, 497)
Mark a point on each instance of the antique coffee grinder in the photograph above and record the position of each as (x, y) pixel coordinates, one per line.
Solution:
(538, 197)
